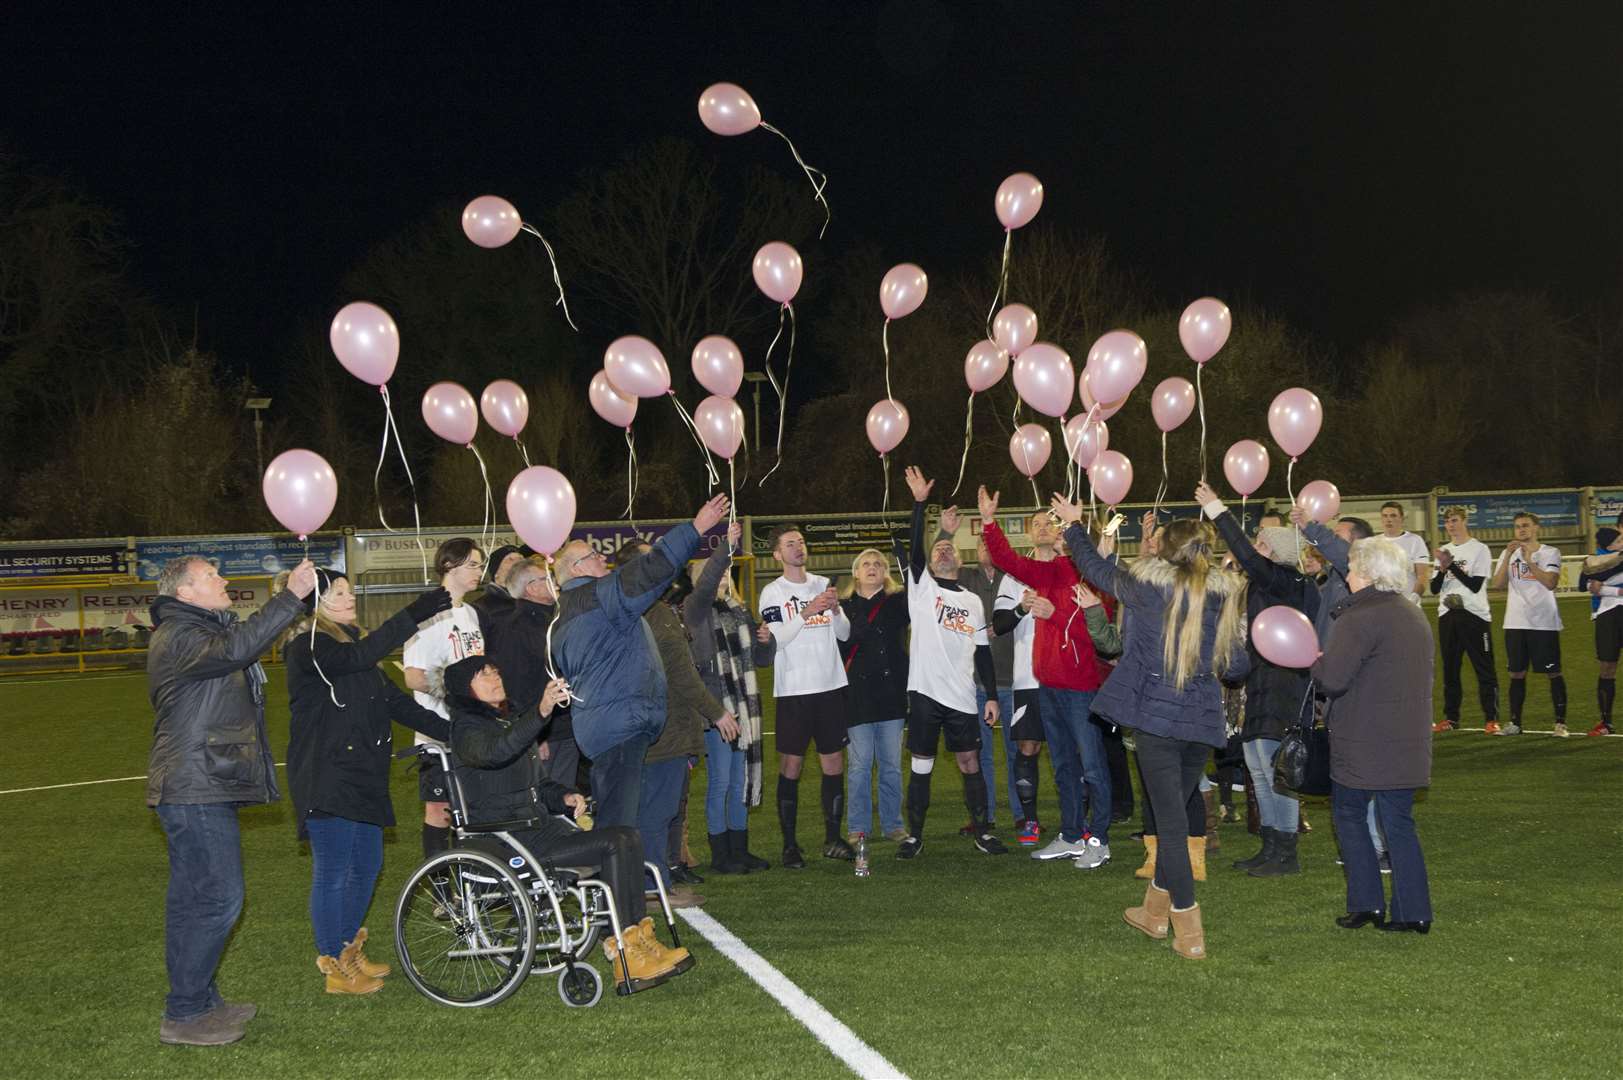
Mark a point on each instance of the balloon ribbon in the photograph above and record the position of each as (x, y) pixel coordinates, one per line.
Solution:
(631, 476)
(377, 491)
(490, 500)
(1002, 282)
(556, 280)
(818, 178)
(782, 388)
(1200, 396)
(969, 428)
(711, 475)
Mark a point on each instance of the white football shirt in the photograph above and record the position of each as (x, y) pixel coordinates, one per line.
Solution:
(808, 657)
(1009, 594)
(449, 636)
(947, 626)
(1476, 560)
(1529, 605)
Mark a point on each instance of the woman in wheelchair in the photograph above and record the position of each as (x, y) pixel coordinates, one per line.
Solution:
(502, 779)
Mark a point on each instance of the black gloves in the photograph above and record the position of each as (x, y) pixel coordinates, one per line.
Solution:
(428, 605)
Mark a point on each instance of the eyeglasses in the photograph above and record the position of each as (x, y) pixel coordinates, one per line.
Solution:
(588, 555)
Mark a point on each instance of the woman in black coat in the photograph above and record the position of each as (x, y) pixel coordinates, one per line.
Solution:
(338, 754)
(876, 665)
(1276, 698)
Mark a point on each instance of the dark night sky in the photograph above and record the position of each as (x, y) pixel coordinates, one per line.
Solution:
(1342, 163)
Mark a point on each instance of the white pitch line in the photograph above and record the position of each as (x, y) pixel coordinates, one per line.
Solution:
(88, 783)
(857, 1055)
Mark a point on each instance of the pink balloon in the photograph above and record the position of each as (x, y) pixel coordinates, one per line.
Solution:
(1172, 402)
(1018, 200)
(1117, 361)
(505, 407)
(490, 221)
(721, 425)
(902, 290)
(366, 341)
(1295, 418)
(300, 490)
(1107, 409)
(1029, 448)
(887, 425)
(718, 365)
(727, 109)
(1042, 377)
(1014, 328)
(450, 413)
(1246, 466)
(617, 408)
(984, 365)
(541, 506)
(1084, 440)
(1204, 328)
(777, 271)
(1320, 501)
(1285, 636)
(636, 367)
(1111, 474)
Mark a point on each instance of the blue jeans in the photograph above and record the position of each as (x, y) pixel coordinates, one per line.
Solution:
(725, 764)
(617, 781)
(1411, 893)
(1005, 710)
(345, 859)
(881, 740)
(1277, 810)
(204, 900)
(660, 796)
(1076, 748)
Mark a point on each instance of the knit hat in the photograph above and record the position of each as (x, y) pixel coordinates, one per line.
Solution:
(324, 582)
(494, 563)
(1283, 542)
(459, 678)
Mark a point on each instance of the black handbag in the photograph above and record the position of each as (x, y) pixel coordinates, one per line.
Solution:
(1302, 763)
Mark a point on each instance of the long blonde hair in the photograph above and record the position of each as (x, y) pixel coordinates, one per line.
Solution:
(1186, 546)
(324, 625)
(849, 586)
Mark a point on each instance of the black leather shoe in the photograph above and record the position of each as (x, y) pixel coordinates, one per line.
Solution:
(1407, 927)
(793, 859)
(1354, 919)
(683, 874)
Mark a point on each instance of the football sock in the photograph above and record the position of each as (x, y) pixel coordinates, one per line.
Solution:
(975, 799)
(1518, 695)
(788, 805)
(1025, 783)
(1558, 695)
(833, 807)
(1605, 692)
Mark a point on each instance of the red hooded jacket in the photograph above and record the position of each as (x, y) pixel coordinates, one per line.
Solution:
(1062, 654)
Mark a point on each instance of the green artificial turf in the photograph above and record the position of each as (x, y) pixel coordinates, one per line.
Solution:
(957, 964)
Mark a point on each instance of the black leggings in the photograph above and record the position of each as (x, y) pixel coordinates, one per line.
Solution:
(615, 850)
(1171, 770)
(1194, 809)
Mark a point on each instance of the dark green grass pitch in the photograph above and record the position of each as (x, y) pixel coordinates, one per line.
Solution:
(957, 964)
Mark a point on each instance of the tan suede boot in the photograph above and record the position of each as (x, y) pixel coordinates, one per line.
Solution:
(1197, 857)
(355, 953)
(1147, 871)
(1213, 844)
(678, 958)
(1188, 936)
(344, 978)
(644, 969)
(1151, 916)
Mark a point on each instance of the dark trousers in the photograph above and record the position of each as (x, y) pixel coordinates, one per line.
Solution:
(616, 852)
(1121, 781)
(617, 781)
(204, 900)
(1463, 634)
(679, 823)
(563, 762)
(1411, 895)
(1171, 769)
(345, 859)
(1194, 808)
(660, 797)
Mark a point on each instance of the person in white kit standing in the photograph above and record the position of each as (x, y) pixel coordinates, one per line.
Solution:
(949, 650)
(1603, 577)
(1530, 571)
(1412, 545)
(802, 611)
(1464, 620)
(450, 636)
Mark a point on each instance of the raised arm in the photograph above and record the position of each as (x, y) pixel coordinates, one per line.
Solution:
(1596, 565)
(489, 745)
(1263, 572)
(404, 710)
(918, 554)
(348, 657)
(201, 654)
(1335, 549)
(696, 606)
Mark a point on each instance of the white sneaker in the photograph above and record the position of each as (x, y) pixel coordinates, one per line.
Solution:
(1093, 855)
(1059, 848)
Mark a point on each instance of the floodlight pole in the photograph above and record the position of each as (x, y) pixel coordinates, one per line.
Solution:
(258, 406)
(756, 378)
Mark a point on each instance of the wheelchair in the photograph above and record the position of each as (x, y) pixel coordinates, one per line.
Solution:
(474, 921)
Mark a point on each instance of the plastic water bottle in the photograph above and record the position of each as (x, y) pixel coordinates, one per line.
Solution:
(862, 855)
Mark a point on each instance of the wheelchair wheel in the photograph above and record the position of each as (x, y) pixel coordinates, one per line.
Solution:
(464, 929)
(580, 986)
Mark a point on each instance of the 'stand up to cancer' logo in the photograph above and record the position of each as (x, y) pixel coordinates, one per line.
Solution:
(795, 605)
(953, 618)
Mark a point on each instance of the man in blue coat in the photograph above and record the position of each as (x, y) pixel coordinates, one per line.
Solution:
(606, 653)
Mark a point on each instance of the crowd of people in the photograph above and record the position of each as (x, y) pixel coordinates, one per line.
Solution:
(568, 688)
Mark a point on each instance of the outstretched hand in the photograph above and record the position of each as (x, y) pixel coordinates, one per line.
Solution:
(987, 502)
(301, 582)
(1204, 494)
(917, 484)
(710, 514)
(1064, 509)
(949, 520)
(1298, 516)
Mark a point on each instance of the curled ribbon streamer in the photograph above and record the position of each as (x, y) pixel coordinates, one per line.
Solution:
(1200, 397)
(417, 521)
(732, 497)
(884, 339)
(524, 450)
(490, 500)
(556, 280)
(557, 593)
(1161, 492)
(884, 509)
(693, 429)
(782, 389)
(818, 178)
(631, 476)
(1002, 282)
(969, 429)
(1289, 465)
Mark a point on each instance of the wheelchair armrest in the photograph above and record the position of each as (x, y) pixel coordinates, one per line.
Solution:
(515, 825)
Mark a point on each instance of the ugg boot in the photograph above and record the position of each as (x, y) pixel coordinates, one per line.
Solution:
(1188, 936)
(1213, 844)
(344, 978)
(1197, 857)
(1262, 856)
(1284, 858)
(1151, 916)
(679, 959)
(722, 859)
(355, 953)
(1147, 871)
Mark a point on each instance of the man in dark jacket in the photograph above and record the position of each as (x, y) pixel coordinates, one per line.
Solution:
(210, 755)
(516, 639)
(607, 654)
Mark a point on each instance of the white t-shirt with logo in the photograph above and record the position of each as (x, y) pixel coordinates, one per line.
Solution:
(1529, 605)
(947, 625)
(1474, 558)
(449, 636)
(808, 656)
(1414, 547)
(1009, 594)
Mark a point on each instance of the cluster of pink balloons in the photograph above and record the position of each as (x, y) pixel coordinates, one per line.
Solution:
(300, 490)
(1285, 636)
(1204, 328)
(541, 506)
(491, 221)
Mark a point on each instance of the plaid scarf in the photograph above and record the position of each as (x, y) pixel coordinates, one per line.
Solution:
(735, 665)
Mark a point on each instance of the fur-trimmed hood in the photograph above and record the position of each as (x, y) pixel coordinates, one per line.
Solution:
(1153, 570)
